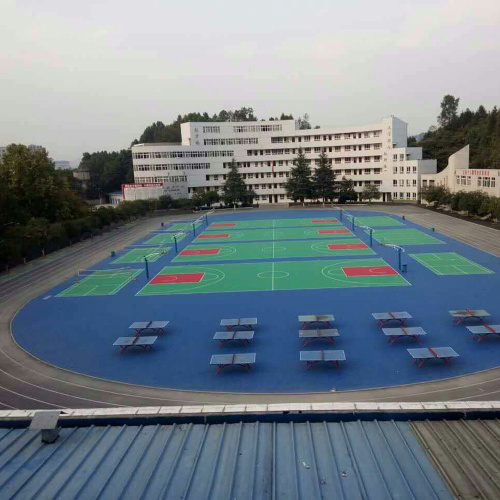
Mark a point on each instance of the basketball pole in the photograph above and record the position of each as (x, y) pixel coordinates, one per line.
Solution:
(194, 229)
(147, 267)
(175, 243)
(371, 237)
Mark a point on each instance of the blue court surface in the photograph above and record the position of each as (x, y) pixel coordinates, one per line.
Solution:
(77, 333)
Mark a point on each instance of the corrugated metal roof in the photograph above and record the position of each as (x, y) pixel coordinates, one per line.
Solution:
(348, 460)
(467, 453)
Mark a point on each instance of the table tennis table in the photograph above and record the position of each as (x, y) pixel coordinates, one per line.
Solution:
(311, 319)
(422, 354)
(125, 342)
(462, 315)
(140, 326)
(243, 336)
(313, 357)
(238, 322)
(394, 334)
(384, 317)
(224, 360)
(310, 335)
(481, 331)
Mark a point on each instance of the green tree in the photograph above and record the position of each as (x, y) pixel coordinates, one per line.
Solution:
(370, 192)
(303, 122)
(347, 191)
(324, 178)
(299, 185)
(449, 107)
(234, 190)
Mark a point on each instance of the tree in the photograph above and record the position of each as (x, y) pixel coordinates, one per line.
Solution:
(370, 192)
(211, 197)
(234, 188)
(347, 191)
(299, 185)
(303, 122)
(324, 178)
(449, 107)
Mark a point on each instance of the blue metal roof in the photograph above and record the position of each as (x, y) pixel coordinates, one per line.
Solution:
(347, 460)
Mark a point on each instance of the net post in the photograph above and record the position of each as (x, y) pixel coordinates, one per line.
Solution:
(194, 229)
(206, 219)
(340, 213)
(371, 237)
(352, 222)
(399, 258)
(147, 267)
(175, 243)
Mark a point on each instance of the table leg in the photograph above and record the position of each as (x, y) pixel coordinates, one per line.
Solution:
(422, 361)
(330, 339)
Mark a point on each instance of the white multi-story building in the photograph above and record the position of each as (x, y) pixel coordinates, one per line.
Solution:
(264, 152)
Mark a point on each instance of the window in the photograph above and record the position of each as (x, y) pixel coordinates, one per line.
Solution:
(394, 157)
(401, 182)
(347, 160)
(317, 138)
(211, 130)
(394, 170)
(401, 196)
(414, 182)
(401, 170)
(408, 196)
(366, 134)
(282, 196)
(256, 128)
(307, 138)
(367, 171)
(493, 182)
(469, 180)
(479, 181)
(408, 170)
(317, 150)
(337, 149)
(407, 182)
(347, 148)
(347, 136)
(414, 170)
(394, 183)
(414, 196)
(367, 159)
(368, 146)
(230, 142)
(401, 157)
(336, 137)
(337, 160)
(486, 182)
(216, 177)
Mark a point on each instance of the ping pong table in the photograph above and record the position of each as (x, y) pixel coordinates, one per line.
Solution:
(310, 335)
(140, 326)
(462, 315)
(242, 335)
(313, 357)
(394, 334)
(422, 354)
(125, 342)
(481, 331)
(238, 322)
(384, 317)
(224, 360)
(311, 319)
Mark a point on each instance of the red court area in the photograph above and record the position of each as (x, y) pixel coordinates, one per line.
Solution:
(323, 221)
(202, 251)
(333, 231)
(369, 271)
(211, 236)
(164, 279)
(223, 225)
(346, 246)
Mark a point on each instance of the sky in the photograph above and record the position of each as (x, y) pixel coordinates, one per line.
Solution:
(89, 76)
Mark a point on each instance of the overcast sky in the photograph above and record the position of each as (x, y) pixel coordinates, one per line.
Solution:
(90, 76)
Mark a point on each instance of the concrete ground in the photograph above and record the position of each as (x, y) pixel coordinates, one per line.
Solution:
(27, 383)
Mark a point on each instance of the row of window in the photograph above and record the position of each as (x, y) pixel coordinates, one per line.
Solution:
(404, 196)
(402, 157)
(171, 166)
(409, 170)
(489, 182)
(359, 171)
(269, 152)
(238, 129)
(231, 142)
(163, 178)
(409, 182)
(329, 137)
(181, 154)
(211, 129)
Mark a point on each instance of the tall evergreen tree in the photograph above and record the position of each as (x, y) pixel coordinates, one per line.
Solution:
(324, 178)
(234, 189)
(347, 191)
(299, 186)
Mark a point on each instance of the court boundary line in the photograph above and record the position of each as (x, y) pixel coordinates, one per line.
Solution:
(461, 272)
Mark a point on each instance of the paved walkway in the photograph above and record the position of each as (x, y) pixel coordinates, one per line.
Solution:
(26, 382)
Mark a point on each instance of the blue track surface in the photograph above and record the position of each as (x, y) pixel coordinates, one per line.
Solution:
(78, 333)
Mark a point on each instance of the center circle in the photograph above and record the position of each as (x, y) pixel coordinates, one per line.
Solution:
(273, 274)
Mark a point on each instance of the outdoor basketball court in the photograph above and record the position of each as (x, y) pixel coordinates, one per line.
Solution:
(100, 282)
(162, 238)
(449, 264)
(377, 221)
(137, 255)
(182, 226)
(272, 234)
(265, 276)
(270, 223)
(273, 250)
(404, 237)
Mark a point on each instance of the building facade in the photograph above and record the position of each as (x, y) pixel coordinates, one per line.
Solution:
(457, 176)
(264, 152)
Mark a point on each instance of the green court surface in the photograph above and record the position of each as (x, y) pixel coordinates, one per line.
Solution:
(377, 221)
(229, 235)
(137, 255)
(161, 238)
(100, 283)
(449, 264)
(268, 276)
(181, 226)
(404, 237)
(264, 224)
(273, 250)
